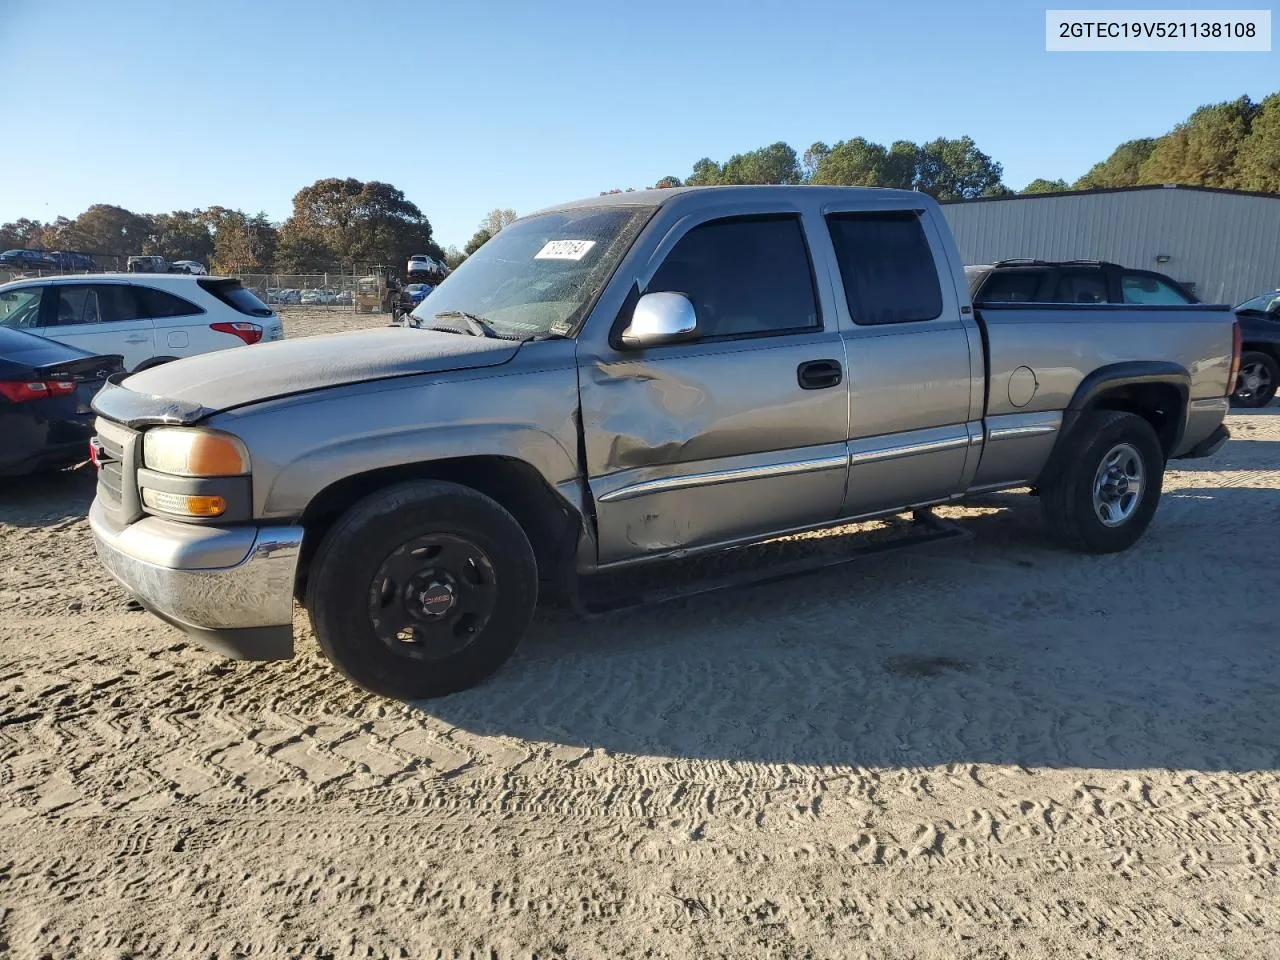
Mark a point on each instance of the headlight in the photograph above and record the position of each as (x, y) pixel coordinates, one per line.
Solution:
(187, 452)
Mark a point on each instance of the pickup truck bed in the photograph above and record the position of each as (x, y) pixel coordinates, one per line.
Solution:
(620, 380)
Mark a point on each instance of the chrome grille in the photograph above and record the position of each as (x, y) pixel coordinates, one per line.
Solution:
(116, 449)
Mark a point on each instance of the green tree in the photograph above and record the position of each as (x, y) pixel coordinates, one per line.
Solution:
(706, 173)
(861, 163)
(1122, 169)
(776, 163)
(453, 257)
(956, 170)
(1040, 185)
(1202, 151)
(351, 222)
(666, 183)
(478, 240)
(1258, 160)
(181, 235)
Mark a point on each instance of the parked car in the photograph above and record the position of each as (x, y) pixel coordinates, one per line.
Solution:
(285, 296)
(1260, 363)
(414, 294)
(146, 264)
(1071, 281)
(80, 262)
(148, 320)
(620, 380)
(193, 267)
(27, 260)
(45, 390)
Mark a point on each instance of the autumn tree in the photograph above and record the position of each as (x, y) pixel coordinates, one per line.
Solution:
(22, 232)
(666, 183)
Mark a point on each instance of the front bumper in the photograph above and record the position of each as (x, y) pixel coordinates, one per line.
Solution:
(229, 588)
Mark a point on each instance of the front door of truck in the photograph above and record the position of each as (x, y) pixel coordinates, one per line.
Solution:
(738, 432)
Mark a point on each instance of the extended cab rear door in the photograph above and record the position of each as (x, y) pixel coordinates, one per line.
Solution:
(915, 360)
(739, 432)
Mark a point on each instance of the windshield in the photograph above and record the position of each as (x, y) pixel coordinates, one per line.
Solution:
(541, 274)
(1266, 303)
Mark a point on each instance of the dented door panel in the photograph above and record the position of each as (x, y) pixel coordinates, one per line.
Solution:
(696, 444)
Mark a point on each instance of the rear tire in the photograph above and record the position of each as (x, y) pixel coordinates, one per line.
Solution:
(1106, 483)
(422, 589)
(1259, 377)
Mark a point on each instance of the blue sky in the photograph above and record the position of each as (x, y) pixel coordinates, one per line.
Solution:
(471, 105)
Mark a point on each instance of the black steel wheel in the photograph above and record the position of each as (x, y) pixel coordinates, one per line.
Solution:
(422, 589)
(432, 596)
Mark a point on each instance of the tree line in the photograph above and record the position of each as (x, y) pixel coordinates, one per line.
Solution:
(335, 223)
(1235, 145)
(338, 223)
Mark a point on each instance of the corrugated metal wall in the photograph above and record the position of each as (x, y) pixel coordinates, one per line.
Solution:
(1227, 245)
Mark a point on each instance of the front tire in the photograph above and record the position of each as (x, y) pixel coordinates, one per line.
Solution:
(1258, 379)
(422, 589)
(1106, 483)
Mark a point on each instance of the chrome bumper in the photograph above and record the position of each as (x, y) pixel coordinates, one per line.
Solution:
(230, 588)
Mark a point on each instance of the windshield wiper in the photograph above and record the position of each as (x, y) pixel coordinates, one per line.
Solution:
(476, 325)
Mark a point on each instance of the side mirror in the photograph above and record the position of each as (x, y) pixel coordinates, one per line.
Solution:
(660, 318)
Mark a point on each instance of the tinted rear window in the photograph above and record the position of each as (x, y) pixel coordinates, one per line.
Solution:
(887, 267)
(158, 304)
(237, 297)
(1011, 286)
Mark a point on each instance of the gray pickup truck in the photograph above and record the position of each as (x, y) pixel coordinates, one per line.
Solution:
(619, 380)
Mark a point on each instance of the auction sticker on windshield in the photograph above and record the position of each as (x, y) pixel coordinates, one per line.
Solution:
(564, 250)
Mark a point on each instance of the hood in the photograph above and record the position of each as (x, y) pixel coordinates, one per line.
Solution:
(184, 391)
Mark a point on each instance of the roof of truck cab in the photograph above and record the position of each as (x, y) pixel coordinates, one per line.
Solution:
(693, 196)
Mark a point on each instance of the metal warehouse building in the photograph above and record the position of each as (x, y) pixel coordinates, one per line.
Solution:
(1225, 244)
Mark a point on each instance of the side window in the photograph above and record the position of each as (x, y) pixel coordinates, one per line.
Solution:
(1144, 288)
(21, 308)
(116, 302)
(1012, 286)
(158, 303)
(745, 276)
(1080, 287)
(887, 267)
(75, 305)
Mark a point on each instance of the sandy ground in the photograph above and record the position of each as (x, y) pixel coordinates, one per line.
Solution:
(986, 748)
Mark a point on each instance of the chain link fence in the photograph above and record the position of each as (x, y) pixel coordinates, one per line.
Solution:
(365, 292)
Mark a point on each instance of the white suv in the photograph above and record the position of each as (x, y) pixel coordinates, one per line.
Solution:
(146, 318)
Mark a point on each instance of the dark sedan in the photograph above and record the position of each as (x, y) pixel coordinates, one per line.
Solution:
(1260, 362)
(45, 389)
